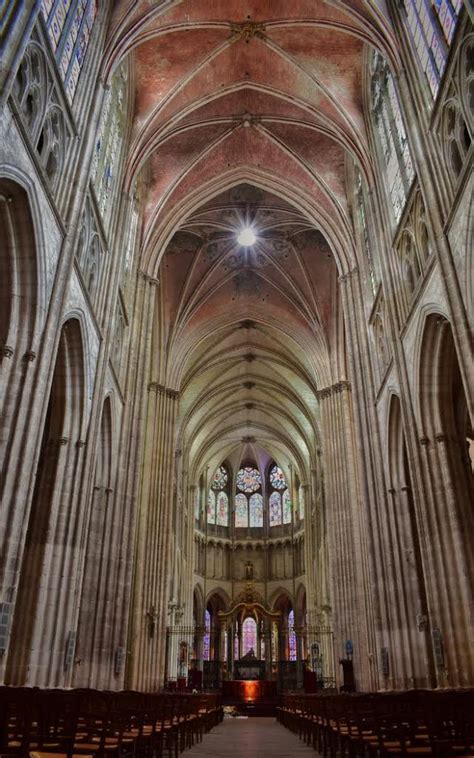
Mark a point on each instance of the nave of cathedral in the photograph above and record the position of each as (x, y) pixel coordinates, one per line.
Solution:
(236, 310)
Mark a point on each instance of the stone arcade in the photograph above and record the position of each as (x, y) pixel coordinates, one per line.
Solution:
(236, 303)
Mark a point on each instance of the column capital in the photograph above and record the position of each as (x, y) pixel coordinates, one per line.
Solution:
(147, 278)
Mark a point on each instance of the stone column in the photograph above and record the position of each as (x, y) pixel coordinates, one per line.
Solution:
(154, 555)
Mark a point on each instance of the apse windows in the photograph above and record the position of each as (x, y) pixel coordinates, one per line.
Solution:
(279, 501)
(432, 25)
(249, 636)
(69, 25)
(291, 636)
(206, 640)
(391, 136)
(248, 498)
(218, 499)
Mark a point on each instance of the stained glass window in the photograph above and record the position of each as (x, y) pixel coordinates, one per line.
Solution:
(277, 478)
(364, 231)
(211, 507)
(241, 511)
(286, 507)
(248, 480)
(249, 636)
(109, 140)
(236, 648)
(222, 512)
(301, 502)
(291, 636)
(206, 641)
(275, 652)
(275, 509)
(219, 480)
(256, 510)
(391, 135)
(69, 25)
(427, 34)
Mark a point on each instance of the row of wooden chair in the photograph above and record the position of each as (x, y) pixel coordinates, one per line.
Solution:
(38, 723)
(438, 724)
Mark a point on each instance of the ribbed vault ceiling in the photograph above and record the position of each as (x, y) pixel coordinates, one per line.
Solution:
(246, 111)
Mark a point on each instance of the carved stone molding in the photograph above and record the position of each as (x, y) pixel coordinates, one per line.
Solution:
(345, 277)
(247, 120)
(424, 441)
(248, 385)
(6, 351)
(160, 389)
(247, 30)
(29, 356)
(334, 389)
(150, 279)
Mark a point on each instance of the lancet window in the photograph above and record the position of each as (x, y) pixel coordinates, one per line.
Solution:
(109, 140)
(291, 636)
(206, 641)
(69, 25)
(248, 498)
(279, 501)
(249, 636)
(391, 135)
(363, 228)
(218, 498)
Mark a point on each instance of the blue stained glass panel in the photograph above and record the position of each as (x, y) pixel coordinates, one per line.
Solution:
(291, 637)
(206, 642)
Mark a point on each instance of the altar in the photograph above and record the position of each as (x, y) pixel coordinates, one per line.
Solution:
(249, 667)
(249, 691)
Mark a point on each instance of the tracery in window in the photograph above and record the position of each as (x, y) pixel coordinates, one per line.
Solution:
(218, 499)
(430, 39)
(219, 480)
(248, 499)
(279, 501)
(109, 140)
(395, 153)
(69, 25)
(248, 479)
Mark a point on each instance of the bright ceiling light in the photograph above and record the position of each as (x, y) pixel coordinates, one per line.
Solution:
(246, 237)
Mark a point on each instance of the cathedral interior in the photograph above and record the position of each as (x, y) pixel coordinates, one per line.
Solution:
(236, 310)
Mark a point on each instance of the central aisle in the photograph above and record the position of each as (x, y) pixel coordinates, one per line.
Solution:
(250, 738)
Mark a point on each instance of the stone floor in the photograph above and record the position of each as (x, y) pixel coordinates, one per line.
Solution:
(250, 738)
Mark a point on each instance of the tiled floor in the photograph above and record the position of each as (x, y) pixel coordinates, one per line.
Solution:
(250, 738)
